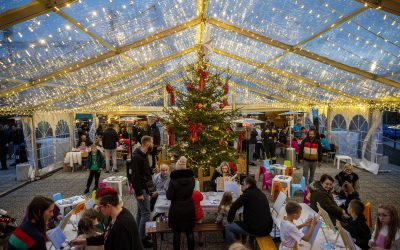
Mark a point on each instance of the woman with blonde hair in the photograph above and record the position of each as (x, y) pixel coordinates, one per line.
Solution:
(222, 171)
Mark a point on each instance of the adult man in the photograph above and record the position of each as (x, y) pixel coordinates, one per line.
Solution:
(257, 218)
(143, 185)
(311, 152)
(161, 183)
(110, 140)
(252, 145)
(297, 129)
(154, 132)
(270, 137)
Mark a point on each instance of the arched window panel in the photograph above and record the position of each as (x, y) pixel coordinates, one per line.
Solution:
(322, 124)
(338, 123)
(123, 22)
(62, 140)
(283, 20)
(44, 144)
(358, 129)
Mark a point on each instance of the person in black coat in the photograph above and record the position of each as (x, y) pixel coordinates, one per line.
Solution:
(154, 132)
(181, 212)
(3, 149)
(257, 219)
(110, 140)
(121, 232)
(356, 225)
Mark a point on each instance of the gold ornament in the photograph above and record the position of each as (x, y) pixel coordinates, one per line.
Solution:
(203, 151)
(216, 128)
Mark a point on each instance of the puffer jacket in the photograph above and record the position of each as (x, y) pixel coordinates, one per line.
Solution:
(326, 200)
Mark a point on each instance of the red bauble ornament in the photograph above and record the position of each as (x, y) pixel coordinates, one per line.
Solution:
(225, 102)
(226, 88)
(199, 105)
(190, 87)
(221, 106)
(221, 142)
(186, 119)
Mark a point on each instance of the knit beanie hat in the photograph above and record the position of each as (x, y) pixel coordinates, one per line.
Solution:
(181, 163)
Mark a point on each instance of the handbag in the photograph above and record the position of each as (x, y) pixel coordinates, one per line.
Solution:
(150, 186)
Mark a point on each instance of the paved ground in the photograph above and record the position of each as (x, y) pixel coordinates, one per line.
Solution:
(381, 188)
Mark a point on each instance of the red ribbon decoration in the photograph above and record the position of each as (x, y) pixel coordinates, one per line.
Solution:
(203, 75)
(170, 138)
(170, 91)
(242, 136)
(194, 129)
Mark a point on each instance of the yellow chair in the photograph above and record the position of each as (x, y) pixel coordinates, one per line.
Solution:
(287, 163)
(368, 213)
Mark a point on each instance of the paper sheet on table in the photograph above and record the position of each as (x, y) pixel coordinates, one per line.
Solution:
(231, 186)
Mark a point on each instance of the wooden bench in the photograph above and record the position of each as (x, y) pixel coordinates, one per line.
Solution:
(162, 227)
(266, 243)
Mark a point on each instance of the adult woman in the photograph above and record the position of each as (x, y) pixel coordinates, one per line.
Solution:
(321, 192)
(222, 171)
(121, 232)
(346, 176)
(181, 212)
(32, 233)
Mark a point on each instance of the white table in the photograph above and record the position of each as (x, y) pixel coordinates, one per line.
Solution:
(285, 179)
(209, 203)
(339, 158)
(70, 202)
(116, 180)
(306, 210)
(280, 167)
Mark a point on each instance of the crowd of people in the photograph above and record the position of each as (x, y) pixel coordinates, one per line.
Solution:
(11, 139)
(111, 226)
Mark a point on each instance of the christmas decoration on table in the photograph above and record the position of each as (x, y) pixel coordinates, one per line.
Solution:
(200, 127)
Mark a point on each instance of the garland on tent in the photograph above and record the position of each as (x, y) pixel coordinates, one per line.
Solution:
(198, 125)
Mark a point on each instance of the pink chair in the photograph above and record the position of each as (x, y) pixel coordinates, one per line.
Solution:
(305, 197)
(267, 180)
(262, 171)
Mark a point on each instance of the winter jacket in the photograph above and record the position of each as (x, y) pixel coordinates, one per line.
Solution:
(253, 200)
(181, 212)
(122, 235)
(326, 200)
(359, 230)
(253, 136)
(27, 236)
(310, 150)
(197, 197)
(341, 178)
(154, 132)
(99, 160)
(141, 171)
(110, 139)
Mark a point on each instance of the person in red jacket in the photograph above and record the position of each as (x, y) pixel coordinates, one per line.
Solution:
(197, 197)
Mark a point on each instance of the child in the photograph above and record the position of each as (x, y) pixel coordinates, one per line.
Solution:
(350, 194)
(386, 234)
(356, 225)
(290, 233)
(223, 208)
(197, 197)
(94, 163)
(94, 215)
(83, 147)
(86, 229)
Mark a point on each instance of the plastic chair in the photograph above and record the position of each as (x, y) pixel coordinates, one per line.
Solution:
(306, 199)
(287, 163)
(262, 171)
(267, 180)
(267, 165)
(276, 188)
(289, 171)
(57, 197)
(299, 186)
(368, 213)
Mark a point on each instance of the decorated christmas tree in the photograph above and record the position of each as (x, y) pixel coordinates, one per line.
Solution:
(198, 124)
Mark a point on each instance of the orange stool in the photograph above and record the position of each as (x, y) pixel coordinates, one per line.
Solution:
(276, 188)
(289, 171)
(368, 213)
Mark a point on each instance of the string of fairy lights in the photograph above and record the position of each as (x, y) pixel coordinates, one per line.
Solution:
(37, 47)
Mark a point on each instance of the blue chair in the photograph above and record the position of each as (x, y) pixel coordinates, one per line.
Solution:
(266, 165)
(299, 186)
(57, 196)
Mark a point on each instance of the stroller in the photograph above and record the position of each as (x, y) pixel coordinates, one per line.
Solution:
(7, 227)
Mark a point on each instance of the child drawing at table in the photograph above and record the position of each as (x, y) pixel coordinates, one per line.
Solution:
(350, 194)
(290, 233)
(356, 225)
(197, 197)
(223, 208)
(386, 234)
(86, 229)
(95, 216)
